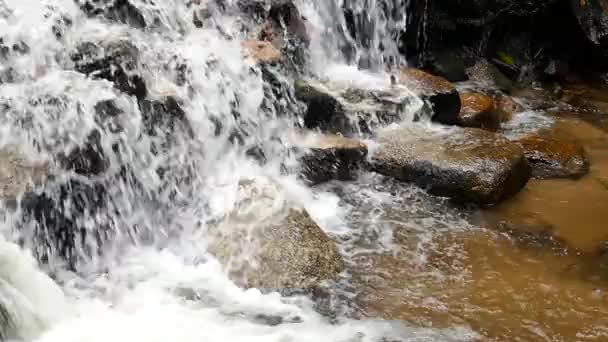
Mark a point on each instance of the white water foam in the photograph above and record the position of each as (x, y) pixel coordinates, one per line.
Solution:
(169, 289)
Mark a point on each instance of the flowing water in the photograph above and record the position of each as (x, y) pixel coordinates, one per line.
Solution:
(417, 268)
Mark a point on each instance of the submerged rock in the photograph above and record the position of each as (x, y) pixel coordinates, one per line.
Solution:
(116, 61)
(436, 91)
(339, 108)
(331, 158)
(478, 111)
(468, 165)
(266, 243)
(551, 157)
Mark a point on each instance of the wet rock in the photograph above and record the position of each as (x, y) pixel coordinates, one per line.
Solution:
(436, 91)
(116, 61)
(19, 176)
(261, 51)
(552, 157)
(331, 158)
(468, 165)
(339, 108)
(506, 107)
(268, 244)
(164, 116)
(488, 74)
(478, 110)
(284, 13)
(122, 11)
(88, 159)
(592, 16)
(58, 215)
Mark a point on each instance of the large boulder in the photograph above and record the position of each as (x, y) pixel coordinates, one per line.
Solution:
(468, 165)
(262, 51)
(116, 61)
(437, 92)
(331, 157)
(266, 243)
(341, 108)
(554, 157)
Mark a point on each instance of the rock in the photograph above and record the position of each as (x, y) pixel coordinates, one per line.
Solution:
(448, 64)
(59, 216)
(478, 111)
(331, 158)
(88, 159)
(551, 157)
(164, 116)
(592, 16)
(438, 92)
(19, 176)
(468, 165)
(506, 107)
(268, 244)
(341, 108)
(488, 74)
(262, 52)
(284, 13)
(122, 11)
(116, 61)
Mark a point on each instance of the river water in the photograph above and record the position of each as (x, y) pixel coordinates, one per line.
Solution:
(409, 277)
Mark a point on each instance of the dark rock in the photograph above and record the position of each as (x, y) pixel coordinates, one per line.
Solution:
(592, 16)
(122, 11)
(337, 108)
(440, 94)
(58, 214)
(88, 159)
(286, 249)
(116, 61)
(468, 165)
(164, 117)
(447, 64)
(284, 13)
(332, 158)
(552, 157)
(478, 111)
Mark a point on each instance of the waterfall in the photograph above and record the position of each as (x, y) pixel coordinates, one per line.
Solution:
(145, 155)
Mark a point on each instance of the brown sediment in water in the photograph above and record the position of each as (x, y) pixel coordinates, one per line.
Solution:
(502, 289)
(548, 282)
(577, 209)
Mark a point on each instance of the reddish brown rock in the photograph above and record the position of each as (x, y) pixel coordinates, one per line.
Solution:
(551, 157)
(477, 110)
(261, 51)
(505, 106)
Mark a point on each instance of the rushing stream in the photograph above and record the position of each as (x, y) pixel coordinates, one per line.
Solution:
(138, 269)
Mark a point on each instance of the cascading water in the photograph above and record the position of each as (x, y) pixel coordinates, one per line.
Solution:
(122, 231)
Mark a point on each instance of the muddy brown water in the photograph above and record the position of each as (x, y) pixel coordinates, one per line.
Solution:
(509, 287)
